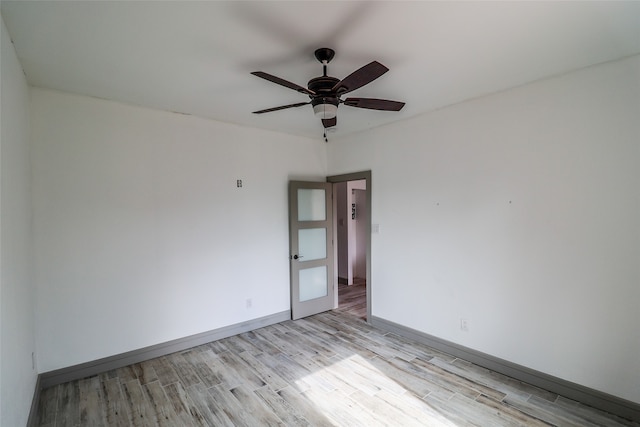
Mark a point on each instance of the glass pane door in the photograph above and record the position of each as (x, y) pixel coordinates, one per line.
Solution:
(310, 218)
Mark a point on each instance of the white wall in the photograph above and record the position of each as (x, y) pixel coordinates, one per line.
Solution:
(17, 342)
(141, 234)
(351, 255)
(342, 222)
(520, 213)
(357, 241)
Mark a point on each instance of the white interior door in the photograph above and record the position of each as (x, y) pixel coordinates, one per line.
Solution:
(311, 246)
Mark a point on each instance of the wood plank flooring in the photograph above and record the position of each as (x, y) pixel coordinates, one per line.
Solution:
(353, 299)
(331, 369)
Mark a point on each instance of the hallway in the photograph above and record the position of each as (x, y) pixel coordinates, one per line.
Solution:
(353, 299)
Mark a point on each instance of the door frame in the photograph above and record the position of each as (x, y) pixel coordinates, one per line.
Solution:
(355, 176)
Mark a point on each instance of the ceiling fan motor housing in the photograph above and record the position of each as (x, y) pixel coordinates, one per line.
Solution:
(322, 86)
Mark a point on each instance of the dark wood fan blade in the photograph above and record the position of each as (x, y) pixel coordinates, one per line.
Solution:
(268, 110)
(283, 82)
(360, 77)
(328, 123)
(374, 104)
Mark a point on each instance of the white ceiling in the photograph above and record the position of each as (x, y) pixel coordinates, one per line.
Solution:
(195, 57)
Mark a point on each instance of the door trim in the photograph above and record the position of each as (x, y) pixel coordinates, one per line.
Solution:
(355, 176)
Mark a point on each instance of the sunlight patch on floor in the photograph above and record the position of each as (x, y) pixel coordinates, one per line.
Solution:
(352, 388)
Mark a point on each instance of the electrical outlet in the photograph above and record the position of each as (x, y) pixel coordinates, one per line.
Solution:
(239, 183)
(464, 325)
(249, 303)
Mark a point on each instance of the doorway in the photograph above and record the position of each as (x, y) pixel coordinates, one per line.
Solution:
(352, 234)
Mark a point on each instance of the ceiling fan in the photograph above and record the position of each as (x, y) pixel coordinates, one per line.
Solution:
(325, 91)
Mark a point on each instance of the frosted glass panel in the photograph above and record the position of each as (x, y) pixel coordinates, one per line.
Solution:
(312, 243)
(313, 283)
(311, 206)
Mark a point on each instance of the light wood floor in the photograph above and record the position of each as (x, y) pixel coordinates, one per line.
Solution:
(353, 299)
(331, 369)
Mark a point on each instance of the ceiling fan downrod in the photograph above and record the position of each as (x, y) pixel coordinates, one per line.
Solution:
(324, 55)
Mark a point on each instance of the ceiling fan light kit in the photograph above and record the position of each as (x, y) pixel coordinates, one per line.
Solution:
(325, 91)
(325, 110)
